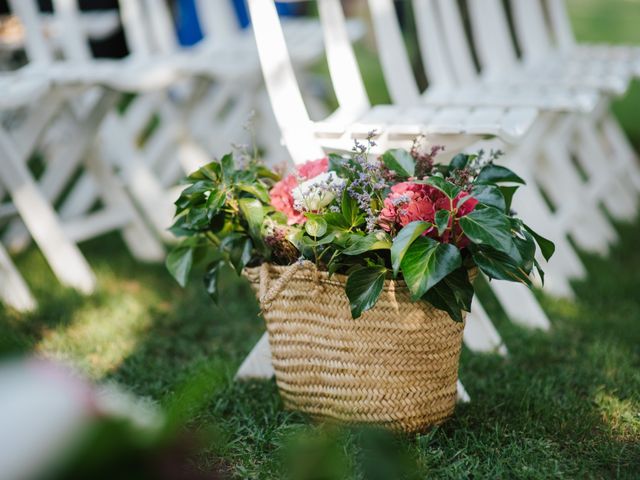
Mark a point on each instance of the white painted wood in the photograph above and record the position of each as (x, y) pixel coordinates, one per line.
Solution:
(63, 256)
(480, 335)
(258, 362)
(393, 55)
(13, 289)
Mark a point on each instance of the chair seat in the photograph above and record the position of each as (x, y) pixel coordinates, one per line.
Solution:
(542, 97)
(405, 123)
(610, 77)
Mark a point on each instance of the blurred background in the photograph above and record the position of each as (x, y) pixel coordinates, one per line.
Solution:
(566, 405)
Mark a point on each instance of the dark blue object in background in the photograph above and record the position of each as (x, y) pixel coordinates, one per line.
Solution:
(187, 24)
(284, 9)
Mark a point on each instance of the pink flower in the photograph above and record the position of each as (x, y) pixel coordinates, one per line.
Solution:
(281, 193)
(409, 202)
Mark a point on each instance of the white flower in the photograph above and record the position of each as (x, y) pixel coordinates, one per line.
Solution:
(317, 192)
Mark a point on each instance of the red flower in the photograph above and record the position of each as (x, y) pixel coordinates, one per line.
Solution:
(409, 202)
(281, 196)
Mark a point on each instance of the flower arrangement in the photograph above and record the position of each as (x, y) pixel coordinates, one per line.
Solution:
(400, 215)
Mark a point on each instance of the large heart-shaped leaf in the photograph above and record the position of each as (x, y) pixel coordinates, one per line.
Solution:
(363, 288)
(453, 294)
(449, 189)
(499, 265)
(490, 195)
(488, 226)
(426, 262)
(442, 218)
(547, 247)
(403, 240)
(460, 161)
(179, 263)
(497, 174)
(253, 212)
(366, 243)
(400, 161)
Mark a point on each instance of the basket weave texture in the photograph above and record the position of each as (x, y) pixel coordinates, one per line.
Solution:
(395, 366)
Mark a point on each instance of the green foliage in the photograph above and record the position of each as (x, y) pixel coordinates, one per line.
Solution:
(363, 288)
(226, 214)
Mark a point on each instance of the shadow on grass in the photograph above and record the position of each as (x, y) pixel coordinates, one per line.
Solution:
(565, 403)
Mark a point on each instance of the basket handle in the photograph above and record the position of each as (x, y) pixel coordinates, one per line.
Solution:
(267, 293)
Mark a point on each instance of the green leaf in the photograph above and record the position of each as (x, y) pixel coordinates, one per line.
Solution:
(499, 265)
(350, 209)
(316, 226)
(459, 162)
(366, 243)
(179, 263)
(400, 161)
(442, 218)
(508, 192)
(253, 212)
(527, 248)
(364, 286)
(336, 220)
(211, 171)
(240, 254)
(216, 200)
(540, 270)
(264, 172)
(403, 240)
(453, 294)
(547, 247)
(257, 190)
(426, 262)
(490, 195)
(211, 280)
(488, 226)
(497, 174)
(228, 167)
(446, 187)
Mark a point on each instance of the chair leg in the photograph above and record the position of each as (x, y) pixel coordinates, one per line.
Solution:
(479, 333)
(258, 362)
(622, 148)
(142, 244)
(619, 198)
(63, 256)
(13, 289)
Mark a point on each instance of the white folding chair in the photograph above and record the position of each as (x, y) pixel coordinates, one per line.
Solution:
(608, 180)
(354, 119)
(445, 85)
(118, 213)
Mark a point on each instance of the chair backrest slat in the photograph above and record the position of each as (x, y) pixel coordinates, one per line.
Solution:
(75, 44)
(561, 24)
(217, 20)
(394, 59)
(343, 67)
(531, 30)
(280, 81)
(133, 23)
(36, 44)
(459, 51)
(492, 37)
(161, 26)
(433, 50)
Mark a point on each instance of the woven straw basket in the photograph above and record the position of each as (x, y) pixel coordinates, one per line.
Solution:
(395, 366)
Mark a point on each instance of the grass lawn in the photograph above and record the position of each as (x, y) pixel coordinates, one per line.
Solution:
(563, 404)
